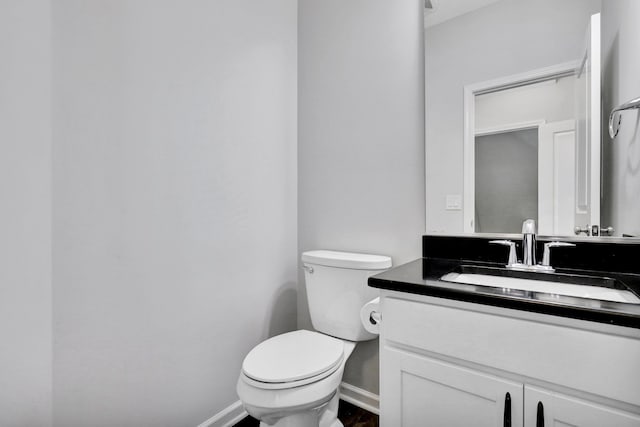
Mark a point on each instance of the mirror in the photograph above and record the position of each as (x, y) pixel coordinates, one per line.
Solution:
(529, 148)
(511, 51)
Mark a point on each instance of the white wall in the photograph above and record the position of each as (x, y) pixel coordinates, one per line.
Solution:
(174, 209)
(505, 38)
(621, 157)
(360, 152)
(25, 213)
(549, 101)
(174, 190)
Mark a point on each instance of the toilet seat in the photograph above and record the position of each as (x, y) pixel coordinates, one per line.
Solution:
(292, 359)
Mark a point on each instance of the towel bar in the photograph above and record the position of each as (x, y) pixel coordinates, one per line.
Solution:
(613, 129)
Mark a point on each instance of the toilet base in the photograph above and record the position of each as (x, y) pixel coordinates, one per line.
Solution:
(329, 415)
(303, 419)
(324, 416)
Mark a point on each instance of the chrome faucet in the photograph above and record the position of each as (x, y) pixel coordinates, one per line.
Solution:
(529, 242)
(529, 250)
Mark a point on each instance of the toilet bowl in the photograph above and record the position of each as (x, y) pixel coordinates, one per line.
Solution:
(292, 379)
(279, 398)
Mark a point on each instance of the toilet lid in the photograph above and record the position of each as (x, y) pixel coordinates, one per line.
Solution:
(293, 356)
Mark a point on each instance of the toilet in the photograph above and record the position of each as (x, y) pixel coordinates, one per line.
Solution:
(292, 379)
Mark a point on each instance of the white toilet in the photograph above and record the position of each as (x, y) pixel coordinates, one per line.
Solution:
(292, 379)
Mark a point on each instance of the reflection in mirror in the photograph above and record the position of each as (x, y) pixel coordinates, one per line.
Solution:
(523, 150)
(501, 205)
(515, 37)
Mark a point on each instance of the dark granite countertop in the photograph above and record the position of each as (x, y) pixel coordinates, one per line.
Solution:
(422, 277)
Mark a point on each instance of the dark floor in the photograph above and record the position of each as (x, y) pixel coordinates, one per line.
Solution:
(350, 415)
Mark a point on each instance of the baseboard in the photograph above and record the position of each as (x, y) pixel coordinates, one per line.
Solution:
(361, 398)
(234, 413)
(228, 417)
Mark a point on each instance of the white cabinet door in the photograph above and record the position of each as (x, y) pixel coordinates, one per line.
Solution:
(560, 410)
(418, 391)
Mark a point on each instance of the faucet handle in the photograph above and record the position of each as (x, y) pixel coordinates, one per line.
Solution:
(547, 251)
(512, 249)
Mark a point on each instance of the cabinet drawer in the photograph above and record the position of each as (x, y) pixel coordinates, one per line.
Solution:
(593, 362)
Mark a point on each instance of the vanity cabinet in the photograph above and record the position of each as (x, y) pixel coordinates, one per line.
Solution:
(562, 410)
(451, 363)
(421, 391)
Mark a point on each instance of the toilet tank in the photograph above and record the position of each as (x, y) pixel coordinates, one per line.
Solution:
(337, 289)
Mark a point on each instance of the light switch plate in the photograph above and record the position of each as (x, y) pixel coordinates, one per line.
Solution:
(454, 202)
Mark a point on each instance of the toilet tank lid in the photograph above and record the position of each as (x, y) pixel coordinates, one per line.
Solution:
(347, 260)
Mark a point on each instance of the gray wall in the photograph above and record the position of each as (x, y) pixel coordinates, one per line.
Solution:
(506, 181)
(25, 213)
(360, 152)
(508, 37)
(621, 157)
(174, 190)
(174, 208)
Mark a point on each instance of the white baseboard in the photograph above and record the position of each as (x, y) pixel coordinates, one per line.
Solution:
(361, 398)
(228, 417)
(233, 413)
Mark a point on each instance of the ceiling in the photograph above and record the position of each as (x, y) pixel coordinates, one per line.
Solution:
(443, 10)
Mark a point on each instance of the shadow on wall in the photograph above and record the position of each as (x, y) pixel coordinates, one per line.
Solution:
(610, 62)
(633, 161)
(304, 317)
(283, 317)
(362, 366)
(621, 155)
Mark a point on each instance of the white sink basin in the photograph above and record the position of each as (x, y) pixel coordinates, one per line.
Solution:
(572, 290)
